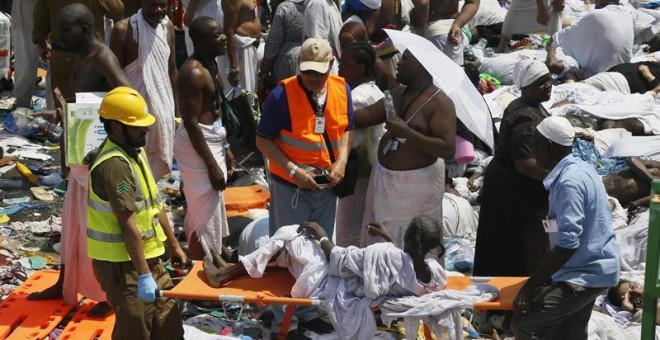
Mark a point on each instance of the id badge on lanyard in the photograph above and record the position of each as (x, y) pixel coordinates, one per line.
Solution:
(319, 124)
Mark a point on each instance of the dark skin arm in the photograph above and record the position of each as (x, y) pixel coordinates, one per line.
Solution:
(173, 71)
(638, 167)
(370, 23)
(232, 8)
(377, 229)
(191, 84)
(370, 115)
(316, 232)
(419, 15)
(552, 263)
(554, 65)
(117, 39)
(113, 9)
(112, 71)
(190, 12)
(467, 12)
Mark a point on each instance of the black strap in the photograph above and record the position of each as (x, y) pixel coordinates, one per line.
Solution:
(329, 146)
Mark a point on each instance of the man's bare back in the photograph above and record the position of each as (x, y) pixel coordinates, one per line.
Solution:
(626, 186)
(242, 14)
(443, 9)
(429, 121)
(99, 71)
(197, 87)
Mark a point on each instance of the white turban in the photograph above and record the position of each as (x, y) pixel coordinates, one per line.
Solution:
(558, 130)
(528, 71)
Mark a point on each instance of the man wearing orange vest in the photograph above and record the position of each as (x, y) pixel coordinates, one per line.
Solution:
(295, 118)
(298, 116)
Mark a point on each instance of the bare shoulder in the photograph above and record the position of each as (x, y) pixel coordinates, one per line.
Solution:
(105, 54)
(194, 74)
(442, 101)
(121, 26)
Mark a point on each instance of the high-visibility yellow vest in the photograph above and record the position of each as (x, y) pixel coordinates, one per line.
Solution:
(302, 145)
(104, 234)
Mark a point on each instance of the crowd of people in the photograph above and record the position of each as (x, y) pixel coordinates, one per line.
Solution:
(371, 112)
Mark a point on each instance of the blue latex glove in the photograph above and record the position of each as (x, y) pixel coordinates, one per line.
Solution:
(146, 287)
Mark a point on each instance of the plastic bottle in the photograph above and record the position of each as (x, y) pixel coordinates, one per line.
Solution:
(29, 176)
(47, 128)
(390, 112)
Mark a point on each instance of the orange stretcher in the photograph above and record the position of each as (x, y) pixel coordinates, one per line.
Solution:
(24, 319)
(238, 200)
(83, 327)
(275, 288)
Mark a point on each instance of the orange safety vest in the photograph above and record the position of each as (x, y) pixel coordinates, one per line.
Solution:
(302, 146)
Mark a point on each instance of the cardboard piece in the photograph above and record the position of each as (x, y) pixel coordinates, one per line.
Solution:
(83, 129)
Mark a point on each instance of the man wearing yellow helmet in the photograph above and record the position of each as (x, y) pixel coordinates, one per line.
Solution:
(127, 228)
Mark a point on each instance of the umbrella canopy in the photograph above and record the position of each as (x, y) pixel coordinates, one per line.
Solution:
(470, 106)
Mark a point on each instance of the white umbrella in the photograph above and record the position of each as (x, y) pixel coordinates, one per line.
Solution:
(470, 106)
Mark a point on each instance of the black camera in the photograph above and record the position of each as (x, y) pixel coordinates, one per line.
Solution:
(323, 177)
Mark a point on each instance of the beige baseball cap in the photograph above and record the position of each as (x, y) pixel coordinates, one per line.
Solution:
(315, 55)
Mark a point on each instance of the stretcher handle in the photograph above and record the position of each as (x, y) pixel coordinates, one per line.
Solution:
(189, 264)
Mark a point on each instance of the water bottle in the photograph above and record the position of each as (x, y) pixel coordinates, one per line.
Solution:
(47, 128)
(390, 112)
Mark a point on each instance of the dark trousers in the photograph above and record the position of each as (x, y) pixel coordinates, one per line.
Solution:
(136, 319)
(561, 311)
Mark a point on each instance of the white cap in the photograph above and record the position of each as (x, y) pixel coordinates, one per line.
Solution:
(558, 130)
(315, 55)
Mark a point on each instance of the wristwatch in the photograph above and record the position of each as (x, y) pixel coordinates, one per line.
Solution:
(293, 171)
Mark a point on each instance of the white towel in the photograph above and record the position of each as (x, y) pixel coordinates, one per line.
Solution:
(609, 81)
(149, 74)
(209, 217)
(440, 310)
(300, 254)
(361, 278)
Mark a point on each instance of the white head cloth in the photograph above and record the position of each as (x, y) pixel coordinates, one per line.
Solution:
(528, 71)
(558, 130)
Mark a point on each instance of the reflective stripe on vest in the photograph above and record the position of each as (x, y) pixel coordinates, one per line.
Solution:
(302, 145)
(109, 237)
(104, 234)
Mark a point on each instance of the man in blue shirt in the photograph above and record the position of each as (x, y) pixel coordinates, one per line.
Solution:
(584, 261)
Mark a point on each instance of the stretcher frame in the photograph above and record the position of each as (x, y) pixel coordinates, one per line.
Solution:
(275, 288)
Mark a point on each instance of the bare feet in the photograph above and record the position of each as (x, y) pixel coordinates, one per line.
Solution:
(215, 275)
(99, 310)
(53, 292)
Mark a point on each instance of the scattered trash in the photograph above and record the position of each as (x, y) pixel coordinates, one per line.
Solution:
(10, 183)
(60, 188)
(52, 180)
(25, 172)
(12, 209)
(16, 200)
(41, 194)
(37, 262)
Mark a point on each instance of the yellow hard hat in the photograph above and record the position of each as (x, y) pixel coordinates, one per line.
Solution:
(127, 106)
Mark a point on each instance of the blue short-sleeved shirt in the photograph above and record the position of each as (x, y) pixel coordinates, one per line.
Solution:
(578, 203)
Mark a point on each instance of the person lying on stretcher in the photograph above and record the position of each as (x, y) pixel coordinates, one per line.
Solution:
(297, 248)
